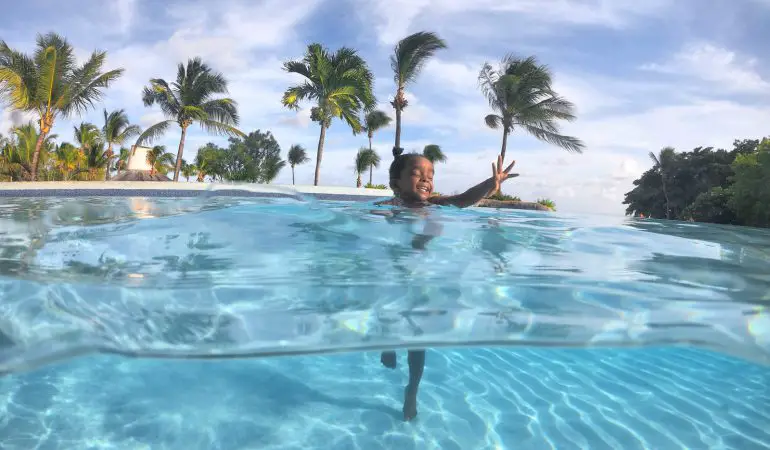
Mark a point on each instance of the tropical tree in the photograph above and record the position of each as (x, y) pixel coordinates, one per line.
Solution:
(407, 60)
(661, 164)
(50, 84)
(520, 93)
(374, 121)
(18, 152)
(433, 153)
(188, 100)
(122, 162)
(96, 159)
(365, 159)
(339, 85)
(68, 160)
(297, 155)
(116, 131)
(271, 167)
(188, 170)
(160, 160)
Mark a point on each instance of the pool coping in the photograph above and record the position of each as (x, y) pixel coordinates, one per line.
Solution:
(183, 189)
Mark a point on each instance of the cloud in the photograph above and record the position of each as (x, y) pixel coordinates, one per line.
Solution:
(713, 64)
(125, 11)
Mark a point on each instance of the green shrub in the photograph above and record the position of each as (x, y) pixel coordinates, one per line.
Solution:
(504, 197)
(375, 186)
(712, 206)
(547, 202)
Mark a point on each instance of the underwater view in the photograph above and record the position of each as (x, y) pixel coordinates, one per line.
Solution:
(237, 323)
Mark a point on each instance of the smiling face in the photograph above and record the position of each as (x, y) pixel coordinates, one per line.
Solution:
(415, 184)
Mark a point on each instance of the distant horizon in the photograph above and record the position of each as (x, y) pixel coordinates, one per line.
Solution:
(642, 76)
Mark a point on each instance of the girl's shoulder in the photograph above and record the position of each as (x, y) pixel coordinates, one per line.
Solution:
(389, 202)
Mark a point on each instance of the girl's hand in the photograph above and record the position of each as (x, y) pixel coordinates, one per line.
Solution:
(499, 175)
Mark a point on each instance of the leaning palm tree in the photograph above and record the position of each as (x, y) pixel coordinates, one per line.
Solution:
(116, 131)
(122, 162)
(407, 60)
(19, 150)
(374, 161)
(188, 100)
(662, 162)
(520, 93)
(365, 159)
(433, 153)
(188, 170)
(50, 84)
(160, 160)
(270, 168)
(296, 156)
(374, 121)
(339, 85)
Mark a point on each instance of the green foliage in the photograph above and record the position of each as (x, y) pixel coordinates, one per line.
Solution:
(547, 202)
(504, 197)
(254, 159)
(712, 206)
(376, 186)
(751, 186)
(375, 120)
(520, 93)
(365, 159)
(433, 153)
(190, 99)
(160, 160)
(188, 170)
(729, 187)
(50, 83)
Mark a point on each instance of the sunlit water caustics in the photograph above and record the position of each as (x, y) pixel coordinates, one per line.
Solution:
(220, 277)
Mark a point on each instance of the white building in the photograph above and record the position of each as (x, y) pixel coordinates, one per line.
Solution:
(138, 159)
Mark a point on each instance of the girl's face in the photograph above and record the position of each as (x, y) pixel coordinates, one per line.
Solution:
(416, 181)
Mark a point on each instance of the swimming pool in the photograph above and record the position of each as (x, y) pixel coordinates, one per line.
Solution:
(221, 276)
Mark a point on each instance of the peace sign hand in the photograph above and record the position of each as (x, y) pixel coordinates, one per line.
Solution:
(499, 175)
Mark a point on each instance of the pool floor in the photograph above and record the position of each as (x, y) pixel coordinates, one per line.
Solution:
(470, 399)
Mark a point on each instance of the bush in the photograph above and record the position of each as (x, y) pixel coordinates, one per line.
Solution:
(547, 202)
(504, 197)
(712, 206)
(375, 186)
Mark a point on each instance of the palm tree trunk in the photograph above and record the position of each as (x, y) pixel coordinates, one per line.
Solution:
(319, 154)
(109, 162)
(292, 175)
(505, 144)
(36, 156)
(665, 195)
(370, 174)
(398, 128)
(179, 155)
(358, 180)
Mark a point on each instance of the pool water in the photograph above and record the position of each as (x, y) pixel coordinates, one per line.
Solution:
(598, 399)
(610, 333)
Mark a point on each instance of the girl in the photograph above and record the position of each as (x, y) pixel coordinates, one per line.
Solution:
(411, 179)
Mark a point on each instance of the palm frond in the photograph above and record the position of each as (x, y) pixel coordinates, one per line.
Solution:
(215, 127)
(376, 120)
(223, 110)
(493, 121)
(154, 132)
(411, 54)
(297, 155)
(568, 143)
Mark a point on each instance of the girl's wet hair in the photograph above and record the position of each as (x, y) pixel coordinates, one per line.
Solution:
(400, 160)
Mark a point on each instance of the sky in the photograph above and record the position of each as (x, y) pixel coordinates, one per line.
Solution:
(642, 75)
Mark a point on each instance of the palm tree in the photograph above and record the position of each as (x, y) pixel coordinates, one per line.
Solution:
(18, 151)
(189, 100)
(433, 153)
(188, 170)
(374, 121)
(339, 84)
(50, 84)
(661, 165)
(365, 159)
(296, 156)
(122, 161)
(408, 59)
(271, 166)
(96, 159)
(68, 160)
(160, 160)
(521, 94)
(116, 130)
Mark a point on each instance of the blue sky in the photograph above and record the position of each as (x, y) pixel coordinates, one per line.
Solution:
(643, 75)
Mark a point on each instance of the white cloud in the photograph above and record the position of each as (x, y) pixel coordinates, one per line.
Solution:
(714, 64)
(125, 11)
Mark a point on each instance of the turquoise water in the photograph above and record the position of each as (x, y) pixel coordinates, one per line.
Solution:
(670, 324)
